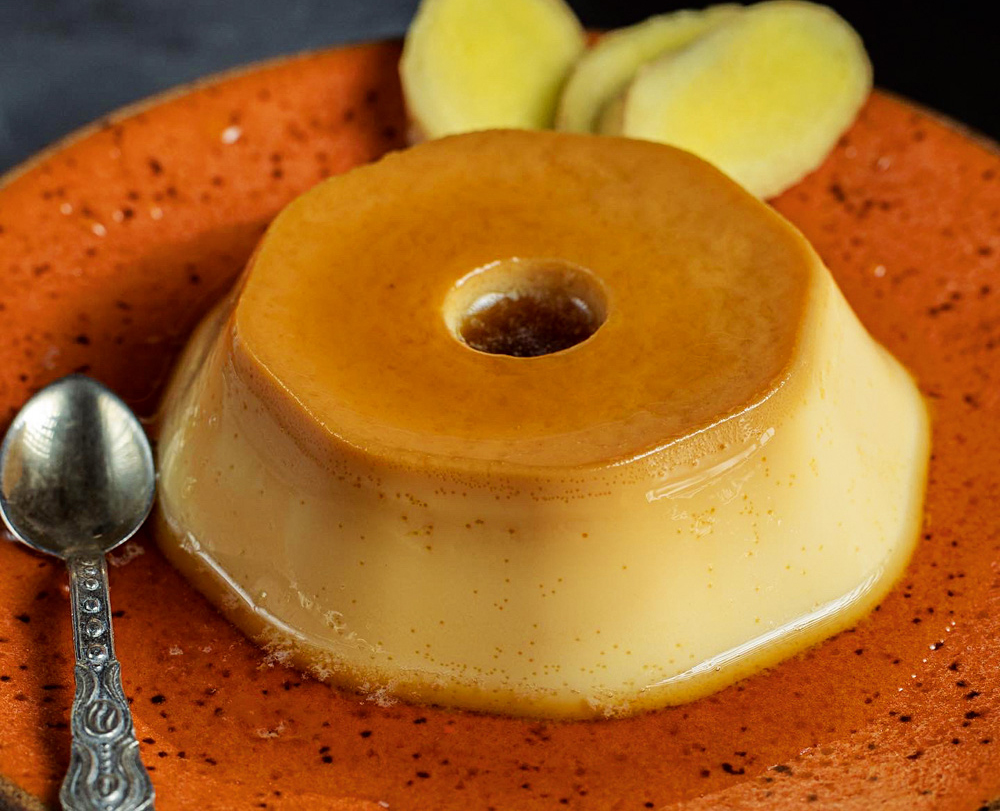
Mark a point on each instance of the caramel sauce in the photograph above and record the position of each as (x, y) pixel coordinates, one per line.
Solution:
(529, 325)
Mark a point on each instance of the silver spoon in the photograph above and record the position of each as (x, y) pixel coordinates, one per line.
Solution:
(77, 480)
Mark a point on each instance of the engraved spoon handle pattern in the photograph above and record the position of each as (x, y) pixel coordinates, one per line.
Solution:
(105, 770)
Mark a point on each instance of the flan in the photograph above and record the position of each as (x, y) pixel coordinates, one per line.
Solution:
(542, 424)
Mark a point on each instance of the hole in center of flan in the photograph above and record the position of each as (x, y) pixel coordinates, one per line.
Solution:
(525, 307)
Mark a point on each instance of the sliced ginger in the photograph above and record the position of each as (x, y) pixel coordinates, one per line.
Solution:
(603, 72)
(763, 96)
(762, 92)
(482, 64)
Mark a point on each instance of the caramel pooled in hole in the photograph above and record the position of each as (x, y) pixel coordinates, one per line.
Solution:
(526, 308)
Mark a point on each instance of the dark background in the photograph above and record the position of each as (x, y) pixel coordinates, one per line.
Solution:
(64, 63)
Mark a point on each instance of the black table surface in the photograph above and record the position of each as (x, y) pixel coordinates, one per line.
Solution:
(64, 63)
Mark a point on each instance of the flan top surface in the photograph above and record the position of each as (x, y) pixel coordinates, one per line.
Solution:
(341, 309)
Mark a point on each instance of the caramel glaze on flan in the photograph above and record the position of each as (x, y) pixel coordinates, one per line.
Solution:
(728, 470)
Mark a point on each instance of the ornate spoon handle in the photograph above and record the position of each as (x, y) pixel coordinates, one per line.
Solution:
(105, 770)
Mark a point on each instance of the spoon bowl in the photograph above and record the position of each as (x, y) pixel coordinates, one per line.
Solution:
(76, 470)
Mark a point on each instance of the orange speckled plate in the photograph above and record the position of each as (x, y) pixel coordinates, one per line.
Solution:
(113, 245)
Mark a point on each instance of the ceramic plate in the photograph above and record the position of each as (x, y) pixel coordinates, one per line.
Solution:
(113, 244)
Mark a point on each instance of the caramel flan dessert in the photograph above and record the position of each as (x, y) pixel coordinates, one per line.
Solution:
(538, 423)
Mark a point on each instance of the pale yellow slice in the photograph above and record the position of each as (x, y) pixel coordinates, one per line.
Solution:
(764, 97)
(483, 64)
(604, 71)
